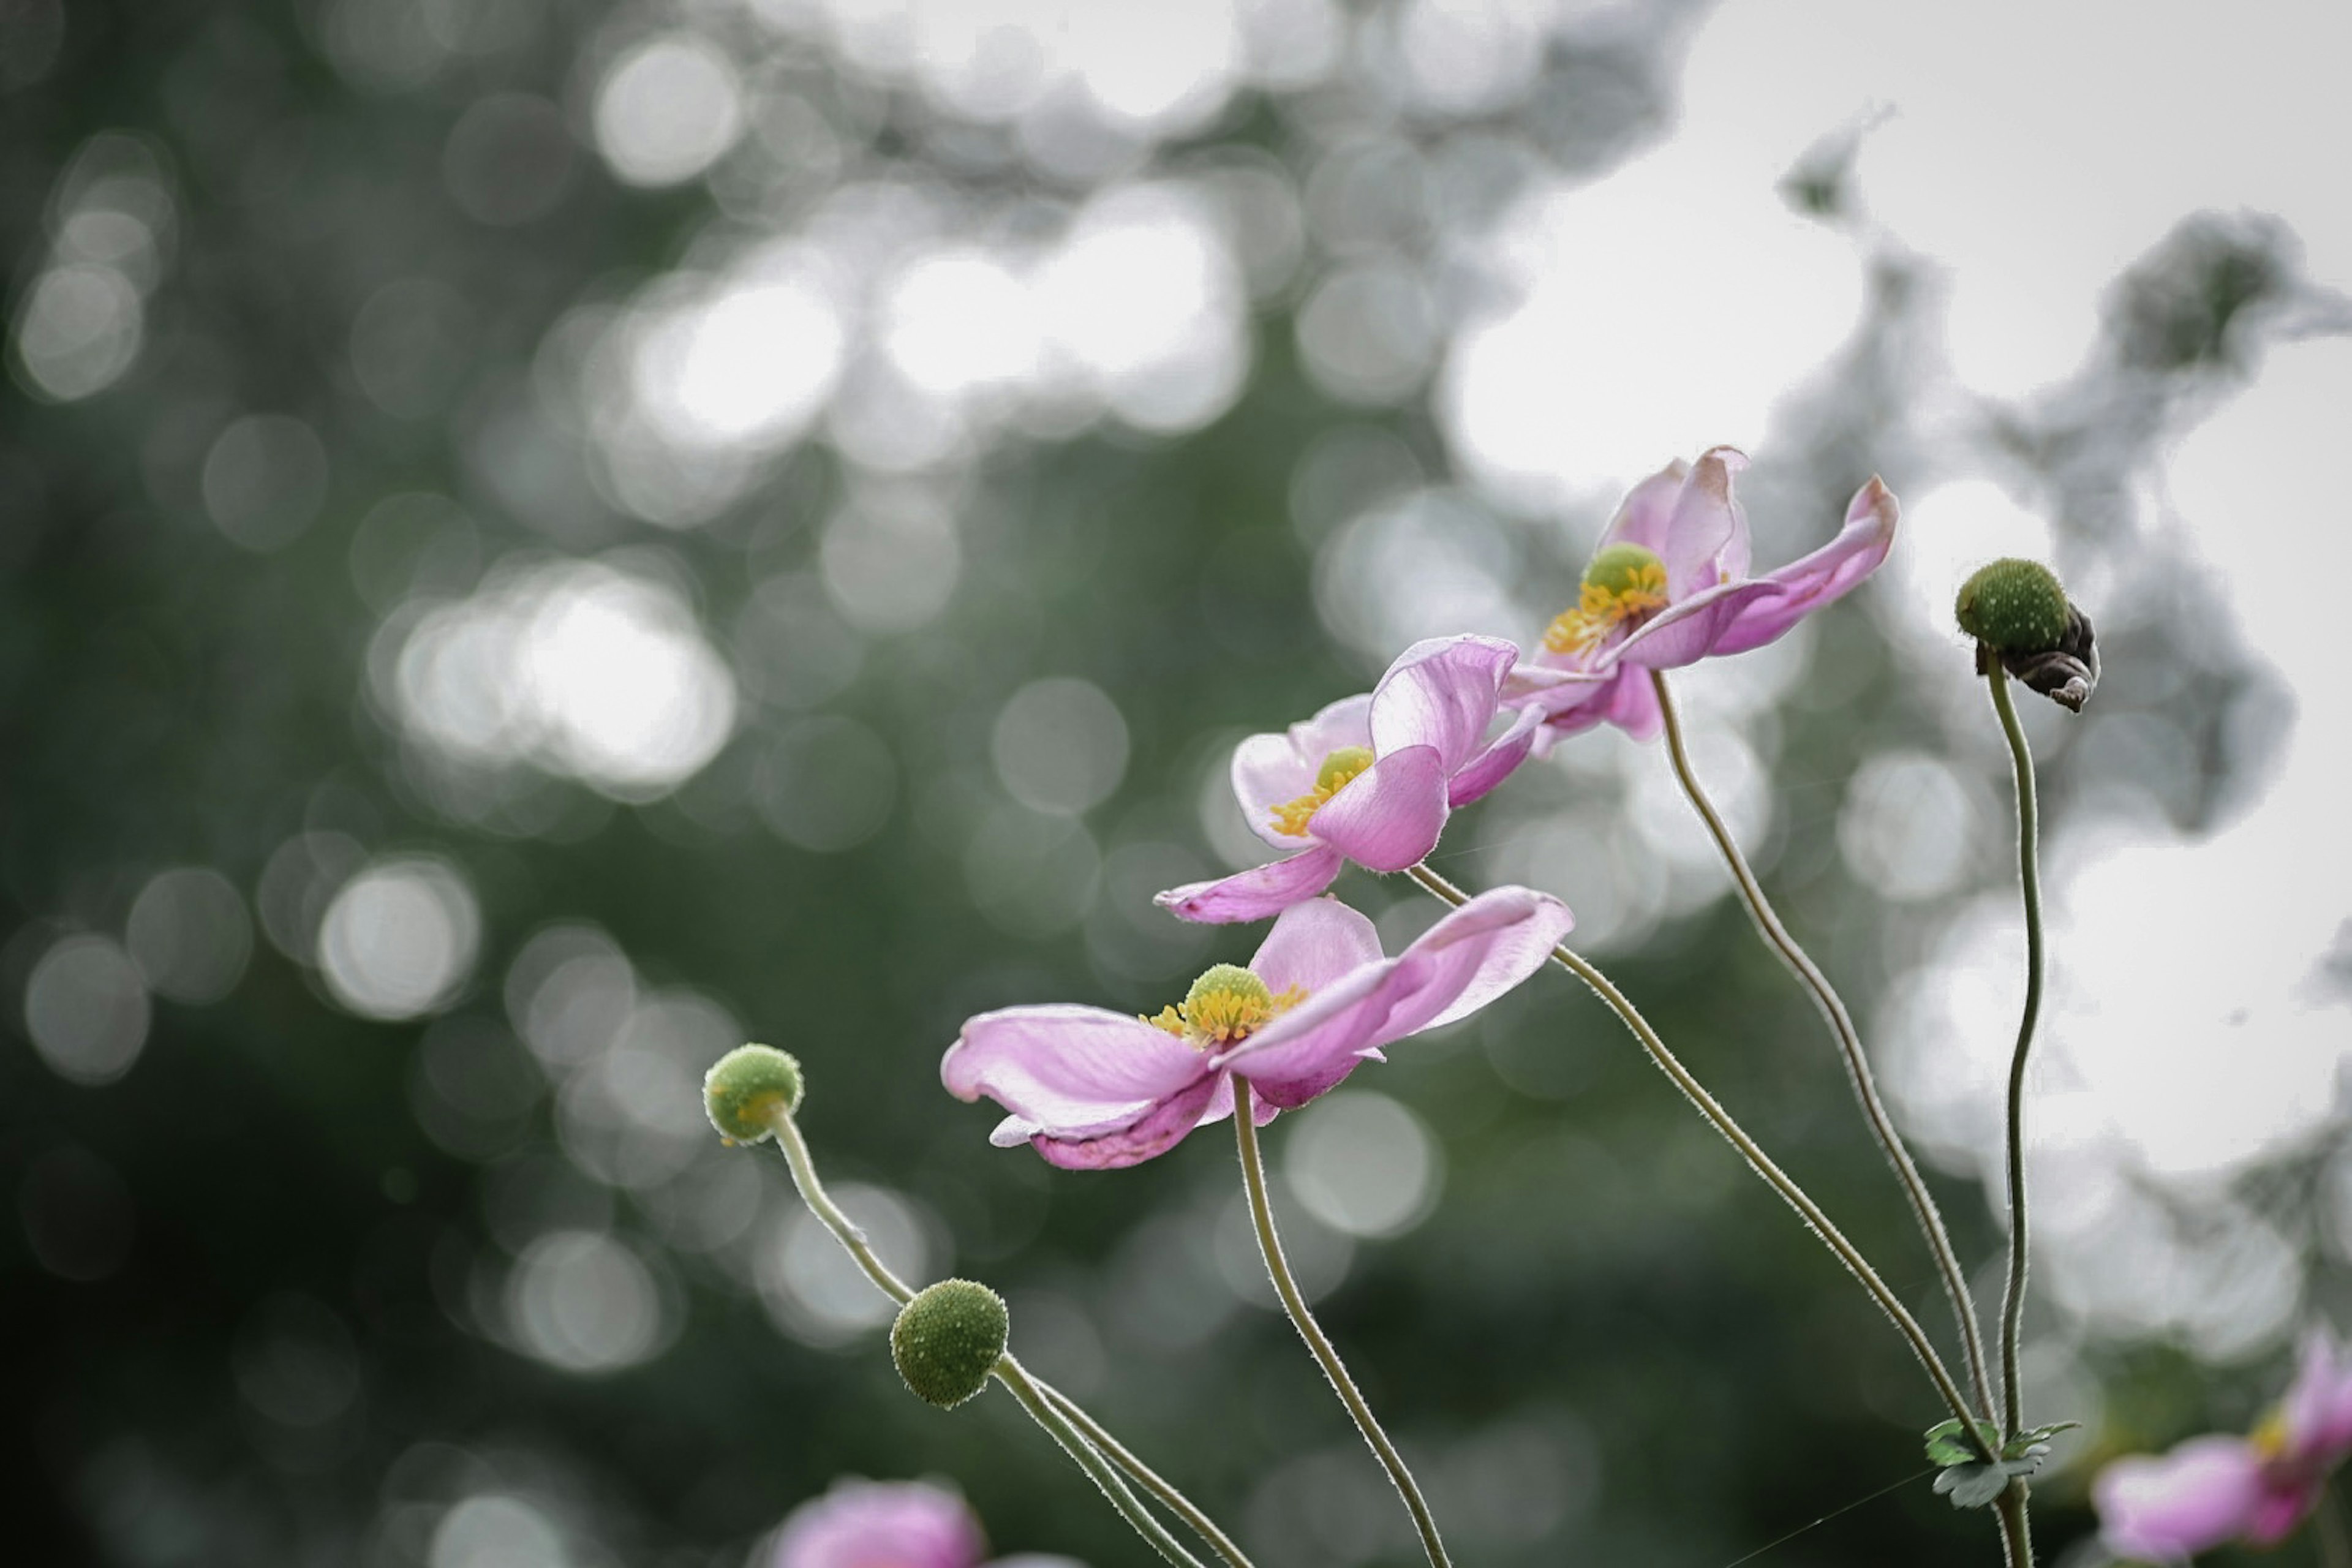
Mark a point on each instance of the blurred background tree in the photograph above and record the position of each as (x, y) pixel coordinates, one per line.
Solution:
(540, 539)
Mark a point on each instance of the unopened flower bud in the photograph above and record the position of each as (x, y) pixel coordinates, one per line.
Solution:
(947, 1340)
(746, 1087)
(2020, 618)
(2013, 606)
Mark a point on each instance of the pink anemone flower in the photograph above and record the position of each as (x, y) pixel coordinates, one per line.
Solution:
(1091, 1090)
(881, 1524)
(890, 1524)
(2218, 1488)
(1370, 778)
(1668, 586)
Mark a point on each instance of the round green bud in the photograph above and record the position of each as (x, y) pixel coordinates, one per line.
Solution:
(744, 1088)
(1622, 569)
(1221, 981)
(1341, 766)
(947, 1339)
(2013, 606)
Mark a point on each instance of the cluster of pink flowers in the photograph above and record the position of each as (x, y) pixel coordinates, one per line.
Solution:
(1373, 779)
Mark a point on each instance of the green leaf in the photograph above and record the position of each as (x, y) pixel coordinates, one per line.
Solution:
(2026, 1442)
(1973, 1486)
(1946, 1446)
(1973, 1483)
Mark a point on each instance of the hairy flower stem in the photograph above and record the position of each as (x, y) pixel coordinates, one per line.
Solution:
(1143, 1475)
(1080, 1436)
(1758, 1160)
(1098, 1469)
(2016, 1530)
(1270, 1246)
(2029, 875)
(1849, 1039)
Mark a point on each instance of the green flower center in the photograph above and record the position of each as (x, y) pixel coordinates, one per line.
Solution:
(1623, 582)
(1226, 1004)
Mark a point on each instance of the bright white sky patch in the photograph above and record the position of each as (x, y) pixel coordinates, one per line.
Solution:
(1144, 298)
(747, 363)
(2036, 150)
(576, 667)
(958, 321)
(399, 939)
(667, 109)
(1655, 314)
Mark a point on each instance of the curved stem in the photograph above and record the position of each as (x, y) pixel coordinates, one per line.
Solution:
(1857, 1065)
(1176, 1502)
(844, 1229)
(2012, 1301)
(1278, 1270)
(1080, 1434)
(1758, 1160)
(1043, 1410)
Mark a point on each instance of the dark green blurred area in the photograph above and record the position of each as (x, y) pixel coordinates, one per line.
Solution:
(252, 1286)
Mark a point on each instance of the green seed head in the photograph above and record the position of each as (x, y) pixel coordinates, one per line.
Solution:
(2013, 606)
(1340, 766)
(947, 1339)
(1621, 568)
(1226, 984)
(745, 1088)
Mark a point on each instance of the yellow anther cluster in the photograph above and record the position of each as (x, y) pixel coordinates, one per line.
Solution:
(1609, 600)
(1340, 770)
(1226, 1004)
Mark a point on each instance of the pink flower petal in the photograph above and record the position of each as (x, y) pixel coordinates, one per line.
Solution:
(1501, 758)
(1474, 955)
(1314, 944)
(863, 1524)
(1390, 815)
(1161, 1129)
(1310, 1049)
(1442, 692)
(1459, 965)
(1070, 1071)
(1689, 629)
(1642, 518)
(1827, 575)
(2200, 1495)
(1626, 702)
(1269, 771)
(2285, 1503)
(1261, 890)
(1707, 538)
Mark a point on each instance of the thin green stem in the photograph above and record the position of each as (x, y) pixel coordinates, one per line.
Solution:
(1080, 1434)
(1758, 1160)
(1049, 1415)
(2012, 1301)
(844, 1229)
(2016, 1530)
(2335, 1540)
(1143, 1475)
(1833, 1012)
(1278, 1268)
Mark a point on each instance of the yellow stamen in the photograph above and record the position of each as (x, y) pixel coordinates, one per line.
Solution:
(1340, 770)
(2269, 1438)
(1605, 608)
(1226, 1004)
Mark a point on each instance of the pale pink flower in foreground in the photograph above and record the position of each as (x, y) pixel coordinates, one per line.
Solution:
(889, 1524)
(1668, 586)
(1090, 1089)
(2215, 1489)
(1369, 779)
